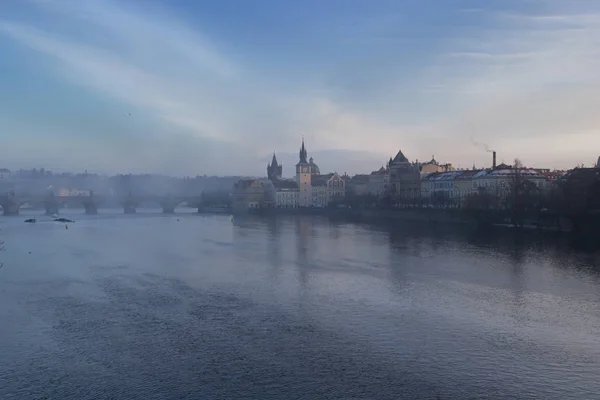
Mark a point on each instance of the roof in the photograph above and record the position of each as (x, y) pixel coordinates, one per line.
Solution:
(523, 172)
(380, 171)
(468, 174)
(320, 181)
(4, 170)
(359, 179)
(400, 157)
(443, 176)
(285, 184)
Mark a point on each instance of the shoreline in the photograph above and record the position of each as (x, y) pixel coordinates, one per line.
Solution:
(481, 218)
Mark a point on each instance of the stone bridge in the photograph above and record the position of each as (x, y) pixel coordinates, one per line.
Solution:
(11, 202)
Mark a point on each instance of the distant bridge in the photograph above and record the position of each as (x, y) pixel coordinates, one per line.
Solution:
(11, 202)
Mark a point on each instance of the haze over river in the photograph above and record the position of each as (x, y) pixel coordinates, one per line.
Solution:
(186, 306)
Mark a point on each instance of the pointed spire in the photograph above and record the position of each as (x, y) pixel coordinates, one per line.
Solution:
(274, 161)
(303, 152)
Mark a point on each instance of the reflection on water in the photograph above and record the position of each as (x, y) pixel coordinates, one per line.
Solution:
(188, 306)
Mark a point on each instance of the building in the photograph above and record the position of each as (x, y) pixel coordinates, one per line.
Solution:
(287, 194)
(454, 188)
(252, 194)
(336, 188)
(319, 191)
(274, 170)
(379, 182)
(433, 166)
(316, 190)
(4, 173)
(304, 173)
(358, 185)
(405, 178)
(552, 179)
(580, 189)
(440, 188)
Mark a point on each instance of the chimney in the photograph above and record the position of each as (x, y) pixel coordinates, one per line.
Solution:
(494, 160)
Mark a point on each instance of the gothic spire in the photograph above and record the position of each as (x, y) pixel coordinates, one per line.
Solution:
(274, 161)
(303, 152)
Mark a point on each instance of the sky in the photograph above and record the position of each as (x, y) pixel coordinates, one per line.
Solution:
(194, 87)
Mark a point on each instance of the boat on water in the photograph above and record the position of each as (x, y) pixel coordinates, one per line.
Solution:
(30, 221)
(63, 220)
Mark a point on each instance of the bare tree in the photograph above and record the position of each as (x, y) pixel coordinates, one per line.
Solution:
(516, 191)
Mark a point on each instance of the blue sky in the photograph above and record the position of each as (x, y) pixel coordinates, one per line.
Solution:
(187, 87)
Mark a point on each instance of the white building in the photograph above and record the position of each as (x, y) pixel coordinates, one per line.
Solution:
(287, 194)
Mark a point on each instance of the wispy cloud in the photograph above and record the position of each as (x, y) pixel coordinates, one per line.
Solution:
(516, 75)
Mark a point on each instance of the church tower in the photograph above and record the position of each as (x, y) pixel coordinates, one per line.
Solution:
(303, 178)
(275, 170)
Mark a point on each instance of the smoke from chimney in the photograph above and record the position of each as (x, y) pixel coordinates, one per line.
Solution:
(493, 160)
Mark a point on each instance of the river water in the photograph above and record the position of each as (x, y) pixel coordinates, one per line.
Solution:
(201, 307)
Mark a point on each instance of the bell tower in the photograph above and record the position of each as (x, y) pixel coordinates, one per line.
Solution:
(303, 178)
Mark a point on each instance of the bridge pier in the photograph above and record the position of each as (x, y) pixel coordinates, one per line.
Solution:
(91, 208)
(130, 204)
(10, 207)
(168, 209)
(51, 204)
(51, 207)
(168, 205)
(10, 204)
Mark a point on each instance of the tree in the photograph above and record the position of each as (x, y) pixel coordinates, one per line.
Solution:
(482, 200)
(524, 193)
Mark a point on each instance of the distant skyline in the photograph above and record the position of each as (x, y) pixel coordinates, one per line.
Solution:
(184, 87)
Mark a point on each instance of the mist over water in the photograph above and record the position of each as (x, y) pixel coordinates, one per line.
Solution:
(151, 306)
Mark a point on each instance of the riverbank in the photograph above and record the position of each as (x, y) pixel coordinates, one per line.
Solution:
(486, 218)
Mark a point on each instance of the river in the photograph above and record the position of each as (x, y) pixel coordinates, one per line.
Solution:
(188, 306)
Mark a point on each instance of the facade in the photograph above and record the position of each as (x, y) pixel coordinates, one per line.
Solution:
(304, 172)
(453, 188)
(319, 191)
(439, 188)
(336, 188)
(358, 185)
(405, 178)
(433, 166)
(252, 193)
(287, 194)
(327, 188)
(379, 182)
